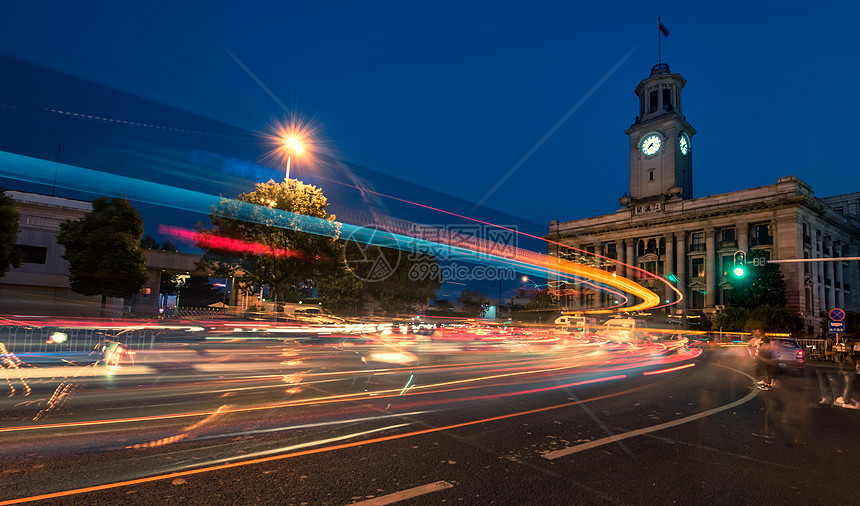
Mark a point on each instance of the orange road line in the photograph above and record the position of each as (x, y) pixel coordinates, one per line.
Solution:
(312, 451)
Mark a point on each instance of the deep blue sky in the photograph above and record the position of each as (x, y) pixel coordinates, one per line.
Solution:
(450, 95)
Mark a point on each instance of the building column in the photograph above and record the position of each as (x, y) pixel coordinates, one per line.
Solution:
(819, 276)
(669, 259)
(600, 298)
(631, 260)
(831, 290)
(628, 257)
(682, 267)
(743, 236)
(839, 275)
(710, 267)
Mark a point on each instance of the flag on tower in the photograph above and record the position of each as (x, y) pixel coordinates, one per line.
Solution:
(663, 28)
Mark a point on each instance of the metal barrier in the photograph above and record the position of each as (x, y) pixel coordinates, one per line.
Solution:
(38, 339)
(813, 348)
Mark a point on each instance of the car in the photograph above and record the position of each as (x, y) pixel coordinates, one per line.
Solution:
(787, 354)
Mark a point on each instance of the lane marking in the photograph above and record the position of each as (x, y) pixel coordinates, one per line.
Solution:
(406, 494)
(645, 430)
(312, 451)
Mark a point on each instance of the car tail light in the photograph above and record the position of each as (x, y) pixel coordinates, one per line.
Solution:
(800, 355)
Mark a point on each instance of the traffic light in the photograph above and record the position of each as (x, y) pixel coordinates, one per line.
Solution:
(740, 264)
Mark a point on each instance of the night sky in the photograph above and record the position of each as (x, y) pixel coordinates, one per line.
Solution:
(448, 96)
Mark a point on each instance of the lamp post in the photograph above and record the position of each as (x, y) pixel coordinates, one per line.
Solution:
(293, 146)
(527, 280)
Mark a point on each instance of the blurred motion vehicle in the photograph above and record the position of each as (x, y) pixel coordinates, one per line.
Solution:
(622, 329)
(787, 354)
(113, 354)
(579, 326)
(311, 314)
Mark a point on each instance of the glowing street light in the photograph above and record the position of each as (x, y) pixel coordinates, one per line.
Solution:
(293, 146)
(527, 280)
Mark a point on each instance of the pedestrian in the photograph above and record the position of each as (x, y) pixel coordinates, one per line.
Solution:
(764, 365)
(848, 367)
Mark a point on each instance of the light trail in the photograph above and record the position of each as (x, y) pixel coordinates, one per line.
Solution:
(85, 180)
(313, 451)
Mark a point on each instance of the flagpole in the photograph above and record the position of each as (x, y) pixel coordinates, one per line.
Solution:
(659, 42)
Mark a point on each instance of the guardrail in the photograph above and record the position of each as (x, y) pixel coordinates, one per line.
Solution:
(813, 348)
(38, 339)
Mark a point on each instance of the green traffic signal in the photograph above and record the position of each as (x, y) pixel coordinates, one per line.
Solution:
(740, 264)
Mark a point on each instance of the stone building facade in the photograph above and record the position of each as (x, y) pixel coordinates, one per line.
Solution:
(661, 229)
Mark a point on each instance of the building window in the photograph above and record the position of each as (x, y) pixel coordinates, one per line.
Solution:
(652, 101)
(649, 266)
(697, 267)
(697, 241)
(612, 251)
(33, 254)
(652, 246)
(640, 248)
(761, 235)
(727, 238)
(651, 175)
(698, 299)
(728, 261)
(839, 209)
(667, 99)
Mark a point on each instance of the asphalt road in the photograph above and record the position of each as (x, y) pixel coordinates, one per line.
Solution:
(484, 425)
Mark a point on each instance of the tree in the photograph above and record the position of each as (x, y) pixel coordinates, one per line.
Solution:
(249, 235)
(542, 299)
(475, 304)
(9, 255)
(774, 319)
(341, 291)
(410, 285)
(762, 285)
(168, 246)
(103, 250)
(149, 243)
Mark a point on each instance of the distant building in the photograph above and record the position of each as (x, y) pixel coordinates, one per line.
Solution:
(660, 228)
(41, 284)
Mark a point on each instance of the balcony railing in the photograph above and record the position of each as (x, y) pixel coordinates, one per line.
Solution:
(728, 244)
(697, 247)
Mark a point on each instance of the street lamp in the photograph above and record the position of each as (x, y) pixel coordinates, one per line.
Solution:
(293, 146)
(527, 280)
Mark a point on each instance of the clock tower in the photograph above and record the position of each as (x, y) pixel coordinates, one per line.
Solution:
(661, 149)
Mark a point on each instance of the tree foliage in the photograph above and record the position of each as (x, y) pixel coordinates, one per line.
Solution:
(542, 299)
(275, 252)
(103, 250)
(409, 286)
(9, 255)
(341, 291)
(149, 243)
(768, 318)
(762, 285)
(475, 304)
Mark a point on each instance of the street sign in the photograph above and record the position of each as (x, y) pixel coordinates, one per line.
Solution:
(837, 314)
(837, 327)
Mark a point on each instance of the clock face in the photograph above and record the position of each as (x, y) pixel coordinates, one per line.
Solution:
(684, 144)
(651, 144)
